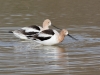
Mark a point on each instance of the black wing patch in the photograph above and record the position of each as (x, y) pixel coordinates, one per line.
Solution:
(49, 31)
(40, 38)
(35, 27)
(28, 33)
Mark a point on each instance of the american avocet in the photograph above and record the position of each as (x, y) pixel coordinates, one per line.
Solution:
(50, 37)
(31, 30)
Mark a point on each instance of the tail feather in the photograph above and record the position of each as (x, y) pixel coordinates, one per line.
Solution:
(10, 31)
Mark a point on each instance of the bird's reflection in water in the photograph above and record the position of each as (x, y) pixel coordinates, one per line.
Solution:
(45, 58)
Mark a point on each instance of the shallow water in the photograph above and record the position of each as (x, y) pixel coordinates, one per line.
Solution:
(80, 18)
(69, 57)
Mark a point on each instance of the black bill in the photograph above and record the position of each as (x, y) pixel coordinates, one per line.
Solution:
(72, 37)
(56, 27)
(68, 34)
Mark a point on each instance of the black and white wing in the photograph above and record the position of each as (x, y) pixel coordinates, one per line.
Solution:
(44, 35)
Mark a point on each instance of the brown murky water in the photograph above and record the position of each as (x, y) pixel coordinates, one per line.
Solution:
(81, 18)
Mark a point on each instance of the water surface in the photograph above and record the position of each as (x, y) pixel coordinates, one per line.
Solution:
(21, 57)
